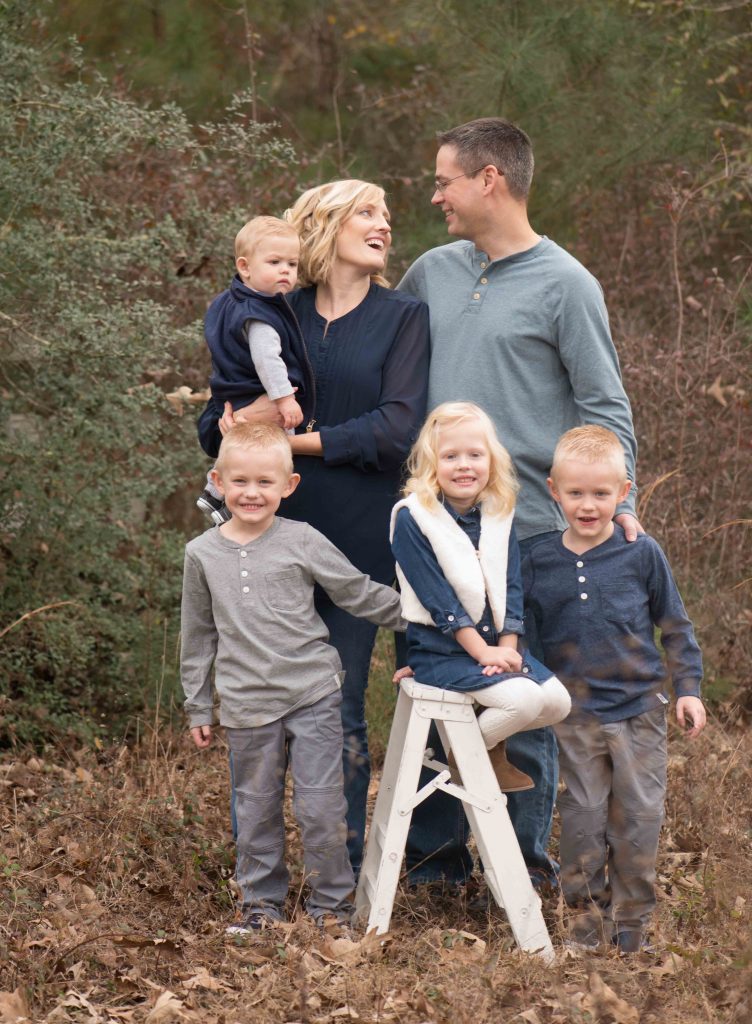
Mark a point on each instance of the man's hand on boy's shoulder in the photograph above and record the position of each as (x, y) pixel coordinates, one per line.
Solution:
(201, 735)
(630, 524)
(690, 714)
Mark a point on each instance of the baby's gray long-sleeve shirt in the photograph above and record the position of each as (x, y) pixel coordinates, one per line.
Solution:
(248, 610)
(266, 355)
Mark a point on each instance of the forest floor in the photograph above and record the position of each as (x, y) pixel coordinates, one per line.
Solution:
(116, 893)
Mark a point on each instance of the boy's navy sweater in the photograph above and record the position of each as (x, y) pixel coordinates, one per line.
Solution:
(234, 378)
(596, 614)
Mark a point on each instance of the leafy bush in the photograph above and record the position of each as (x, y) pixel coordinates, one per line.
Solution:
(104, 204)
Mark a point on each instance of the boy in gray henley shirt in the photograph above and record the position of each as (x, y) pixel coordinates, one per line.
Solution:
(248, 612)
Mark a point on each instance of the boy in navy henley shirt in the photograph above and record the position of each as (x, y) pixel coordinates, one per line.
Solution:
(596, 600)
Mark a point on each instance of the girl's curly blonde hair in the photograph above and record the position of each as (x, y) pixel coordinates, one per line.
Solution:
(499, 494)
(318, 215)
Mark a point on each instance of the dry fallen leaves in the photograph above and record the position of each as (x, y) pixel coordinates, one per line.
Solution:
(184, 396)
(202, 979)
(167, 1008)
(13, 1008)
(604, 1004)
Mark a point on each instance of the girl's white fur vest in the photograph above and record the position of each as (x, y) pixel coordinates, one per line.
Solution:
(473, 575)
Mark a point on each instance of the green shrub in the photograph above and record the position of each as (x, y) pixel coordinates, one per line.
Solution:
(115, 224)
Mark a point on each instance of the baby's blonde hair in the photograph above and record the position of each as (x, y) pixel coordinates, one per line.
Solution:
(590, 444)
(255, 230)
(255, 437)
(498, 496)
(318, 215)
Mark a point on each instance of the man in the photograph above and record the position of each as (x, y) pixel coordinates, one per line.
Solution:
(519, 327)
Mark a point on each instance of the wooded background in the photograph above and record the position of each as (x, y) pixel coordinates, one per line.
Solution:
(137, 137)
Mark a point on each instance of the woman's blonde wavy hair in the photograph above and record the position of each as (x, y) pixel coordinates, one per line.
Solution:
(318, 215)
(498, 496)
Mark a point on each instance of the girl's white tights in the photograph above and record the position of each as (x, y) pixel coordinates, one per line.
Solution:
(518, 705)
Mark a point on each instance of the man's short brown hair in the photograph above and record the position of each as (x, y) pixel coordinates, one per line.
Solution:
(492, 140)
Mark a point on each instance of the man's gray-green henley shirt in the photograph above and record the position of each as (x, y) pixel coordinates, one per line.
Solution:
(248, 611)
(527, 339)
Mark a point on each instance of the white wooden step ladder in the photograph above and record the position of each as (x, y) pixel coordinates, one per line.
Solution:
(485, 806)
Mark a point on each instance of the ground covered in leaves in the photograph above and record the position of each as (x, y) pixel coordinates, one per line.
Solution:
(116, 892)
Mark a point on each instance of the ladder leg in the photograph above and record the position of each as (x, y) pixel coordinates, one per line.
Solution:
(383, 806)
(503, 863)
(390, 827)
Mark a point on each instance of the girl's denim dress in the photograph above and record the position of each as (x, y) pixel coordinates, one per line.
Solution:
(432, 652)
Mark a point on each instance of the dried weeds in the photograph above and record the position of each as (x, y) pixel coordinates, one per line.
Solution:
(117, 890)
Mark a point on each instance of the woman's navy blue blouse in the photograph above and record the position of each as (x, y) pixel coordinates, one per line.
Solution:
(371, 371)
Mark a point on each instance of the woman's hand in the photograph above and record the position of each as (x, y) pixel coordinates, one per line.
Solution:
(262, 410)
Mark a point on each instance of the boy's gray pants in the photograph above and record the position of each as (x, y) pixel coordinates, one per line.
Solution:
(310, 740)
(611, 814)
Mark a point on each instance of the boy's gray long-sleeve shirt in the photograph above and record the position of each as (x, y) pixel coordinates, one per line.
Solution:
(248, 610)
(527, 339)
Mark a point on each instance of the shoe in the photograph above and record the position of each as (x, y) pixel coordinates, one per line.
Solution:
(214, 508)
(511, 779)
(631, 941)
(545, 883)
(253, 922)
(589, 931)
(336, 925)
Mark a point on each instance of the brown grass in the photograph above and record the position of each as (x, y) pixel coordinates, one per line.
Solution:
(116, 892)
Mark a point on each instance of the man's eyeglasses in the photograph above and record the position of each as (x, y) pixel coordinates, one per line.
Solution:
(442, 186)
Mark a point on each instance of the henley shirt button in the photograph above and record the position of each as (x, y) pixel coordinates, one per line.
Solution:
(584, 597)
(580, 579)
(476, 295)
(243, 554)
(246, 590)
(484, 280)
(483, 266)
(244, 572)
(579, 564)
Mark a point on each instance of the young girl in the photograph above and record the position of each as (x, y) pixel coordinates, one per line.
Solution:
(458, 564)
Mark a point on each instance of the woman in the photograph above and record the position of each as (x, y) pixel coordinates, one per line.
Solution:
(368, 347)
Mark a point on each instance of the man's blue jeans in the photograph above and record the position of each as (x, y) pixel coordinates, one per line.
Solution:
(354, 639)
(437, 842)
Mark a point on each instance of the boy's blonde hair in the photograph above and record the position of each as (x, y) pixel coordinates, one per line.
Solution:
(254, 437)
(318, 215)
(590, 444)
(259, 228)
(499, 494)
